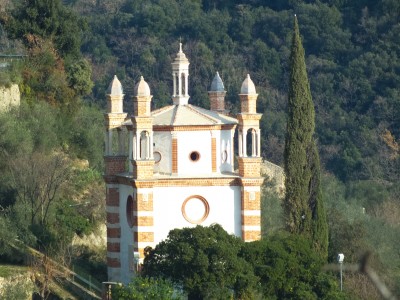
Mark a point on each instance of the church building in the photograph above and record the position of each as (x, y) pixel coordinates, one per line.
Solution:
(174, 167)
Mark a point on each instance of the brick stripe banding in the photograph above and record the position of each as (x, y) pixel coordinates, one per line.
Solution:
(113, 247)
(143, 221)
(249, 166)
(113, 262)
(251, 220)
(113, 218)
(179, 182)
(112, 198)
(214, 154)
(143, 169)
(248, 103)
(252, 235)
(113, 232)
(174, 155)
(248, 204)
(143, 236)
(114, 164)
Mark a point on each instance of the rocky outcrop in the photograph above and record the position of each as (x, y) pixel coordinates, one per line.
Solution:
(275, 174)
(9, 97)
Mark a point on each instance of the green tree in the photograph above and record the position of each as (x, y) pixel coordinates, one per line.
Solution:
(49, 19)
(288, 268)
(78, 75)
(204, 262)
(304, 210)
(141, 288)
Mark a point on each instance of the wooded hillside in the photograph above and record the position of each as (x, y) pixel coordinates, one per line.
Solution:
(352, 52)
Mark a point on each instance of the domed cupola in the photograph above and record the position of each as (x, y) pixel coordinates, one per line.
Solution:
(248, 96)
(248, 87)
(217, 85)
(115, 96)
(180, 73)
(141, 88)
(142, 99)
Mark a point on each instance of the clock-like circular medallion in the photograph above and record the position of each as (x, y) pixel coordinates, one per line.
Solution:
(195, 209)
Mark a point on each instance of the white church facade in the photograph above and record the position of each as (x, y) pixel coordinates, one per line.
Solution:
(174, 168)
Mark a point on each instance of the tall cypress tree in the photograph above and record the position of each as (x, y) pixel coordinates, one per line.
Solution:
(304, 209)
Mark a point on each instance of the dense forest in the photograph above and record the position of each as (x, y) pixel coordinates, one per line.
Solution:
(74, 47)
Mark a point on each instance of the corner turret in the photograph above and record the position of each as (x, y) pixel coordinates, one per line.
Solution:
(217, 95)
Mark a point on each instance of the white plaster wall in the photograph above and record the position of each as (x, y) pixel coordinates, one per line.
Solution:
(225, 143)
(163, 144)
(126, 233)
(224, 202)
(188, 142)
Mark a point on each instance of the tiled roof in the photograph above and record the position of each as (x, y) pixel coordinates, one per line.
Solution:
(185, 115)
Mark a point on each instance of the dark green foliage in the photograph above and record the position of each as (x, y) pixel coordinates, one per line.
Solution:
(146, 288)
(304, 210)
(210, 264)
(32, 141)
(316, 204)
(272, 218)
(299, 133)
(288, 268)
(48, 19)
(92, 260)
(78, 75)
(203, 261)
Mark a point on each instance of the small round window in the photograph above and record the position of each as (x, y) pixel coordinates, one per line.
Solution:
(194, 156)
(224, 156)
(157, 157)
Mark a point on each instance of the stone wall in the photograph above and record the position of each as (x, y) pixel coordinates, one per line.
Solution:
(275, 173)
(9, 97)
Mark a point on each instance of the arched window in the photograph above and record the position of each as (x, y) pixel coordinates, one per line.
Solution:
(129, 211)
(183, 83)
(144, 145)
(177, 84)
(251, 141)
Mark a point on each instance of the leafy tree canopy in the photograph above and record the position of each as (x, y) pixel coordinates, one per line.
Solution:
(204, 261)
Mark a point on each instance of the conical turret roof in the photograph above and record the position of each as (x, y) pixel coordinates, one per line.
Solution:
(217, 85)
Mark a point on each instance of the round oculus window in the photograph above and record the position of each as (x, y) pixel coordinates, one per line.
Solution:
(157, 157)
(129, 210)
(195, 209)
(224, 156)
(194, 156)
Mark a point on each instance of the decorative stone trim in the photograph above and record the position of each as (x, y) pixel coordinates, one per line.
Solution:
(194, 128)
(174, 155)
(214, 155)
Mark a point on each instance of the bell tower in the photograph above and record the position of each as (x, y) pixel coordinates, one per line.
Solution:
(180, 75)
(249, 160)
(114, 160)
(141, 141)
